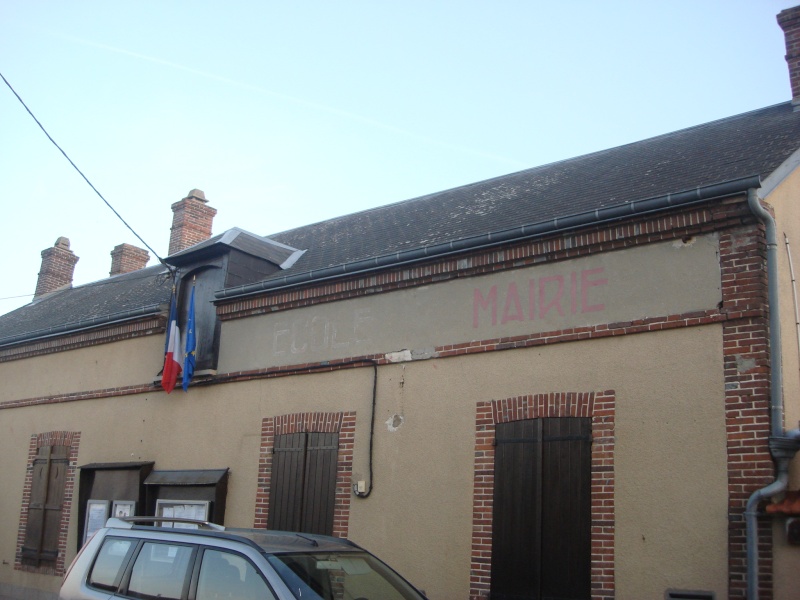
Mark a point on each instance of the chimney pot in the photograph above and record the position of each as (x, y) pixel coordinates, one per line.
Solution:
(789, 21)
(126, 258)
(58, 266)
(191, 221)
(197, 195)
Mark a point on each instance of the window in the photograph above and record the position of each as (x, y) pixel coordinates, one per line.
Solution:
(49, 476)
(227, 575)
(303, 489)
(340, 575)
(541, 525)
(110, 563)
(161, 571)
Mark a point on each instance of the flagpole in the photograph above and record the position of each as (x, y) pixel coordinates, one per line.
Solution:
(190, 352)
(172, 364)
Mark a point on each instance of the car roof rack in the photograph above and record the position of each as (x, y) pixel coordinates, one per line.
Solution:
(131, 522)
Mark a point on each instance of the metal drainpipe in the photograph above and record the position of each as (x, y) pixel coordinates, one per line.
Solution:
(782, 444)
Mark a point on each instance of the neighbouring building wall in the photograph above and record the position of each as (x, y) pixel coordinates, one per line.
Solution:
(784, 199)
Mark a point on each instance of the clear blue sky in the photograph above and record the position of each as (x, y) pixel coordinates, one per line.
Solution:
(288, 113)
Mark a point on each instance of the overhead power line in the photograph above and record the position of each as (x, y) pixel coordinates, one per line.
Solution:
(84, 176)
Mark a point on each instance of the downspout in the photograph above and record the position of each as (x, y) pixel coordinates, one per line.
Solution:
(783, 445)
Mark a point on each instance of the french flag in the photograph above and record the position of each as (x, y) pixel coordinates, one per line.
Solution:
(172, 350)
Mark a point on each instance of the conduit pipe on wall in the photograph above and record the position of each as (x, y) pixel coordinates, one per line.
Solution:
(794, 292)
(783, 445)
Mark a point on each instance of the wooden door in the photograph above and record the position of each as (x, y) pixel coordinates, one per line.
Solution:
(541, 526)
(44, 511)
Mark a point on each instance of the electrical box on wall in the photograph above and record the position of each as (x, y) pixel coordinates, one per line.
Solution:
(793, 531)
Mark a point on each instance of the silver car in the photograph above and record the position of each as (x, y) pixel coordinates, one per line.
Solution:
(188, 560)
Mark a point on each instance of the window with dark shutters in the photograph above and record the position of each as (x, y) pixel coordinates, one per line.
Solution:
(40, 547)
(541, 524)
(303, 487)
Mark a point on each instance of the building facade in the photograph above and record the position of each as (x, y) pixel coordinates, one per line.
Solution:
(581, 380)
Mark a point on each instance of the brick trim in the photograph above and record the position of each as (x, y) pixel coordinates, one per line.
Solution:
(71, 439)
(728, 314)
(123, 331)
(87, 395)
(601, 407)
(343, 423)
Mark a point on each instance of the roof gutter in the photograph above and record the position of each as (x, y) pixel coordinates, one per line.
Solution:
(783, 445)
(84, 325)
(488, 240)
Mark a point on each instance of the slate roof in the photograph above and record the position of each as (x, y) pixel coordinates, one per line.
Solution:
(142, 292)
(754, 143)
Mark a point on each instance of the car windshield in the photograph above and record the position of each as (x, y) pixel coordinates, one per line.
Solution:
(340, 576)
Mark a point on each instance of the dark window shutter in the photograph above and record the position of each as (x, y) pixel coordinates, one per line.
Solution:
(566, 508)
(320, 485)
(541, 526)
(303, 488)
(286, 490)
(44, 511)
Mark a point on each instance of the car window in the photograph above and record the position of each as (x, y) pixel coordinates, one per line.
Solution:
(340, 576)
(108, 566)
(227, 575)
(161, 571)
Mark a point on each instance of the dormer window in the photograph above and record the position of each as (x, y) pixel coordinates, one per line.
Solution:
(233, 258)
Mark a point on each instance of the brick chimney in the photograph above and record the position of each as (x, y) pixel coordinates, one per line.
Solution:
(191, 221)
(126, 258)
(789, 20)
(58, 266)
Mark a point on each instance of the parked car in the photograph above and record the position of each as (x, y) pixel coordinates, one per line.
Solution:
(190, 560)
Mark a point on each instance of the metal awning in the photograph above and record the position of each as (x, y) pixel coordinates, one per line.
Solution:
(187, 477)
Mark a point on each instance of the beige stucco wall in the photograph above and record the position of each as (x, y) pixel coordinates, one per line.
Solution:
(672, 277)
(670, 439)
(129, 362)
(671, 489)
(785, 199)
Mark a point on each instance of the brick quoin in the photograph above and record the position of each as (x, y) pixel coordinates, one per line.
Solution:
(601, 407)
(747, 384)
(343, 423)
